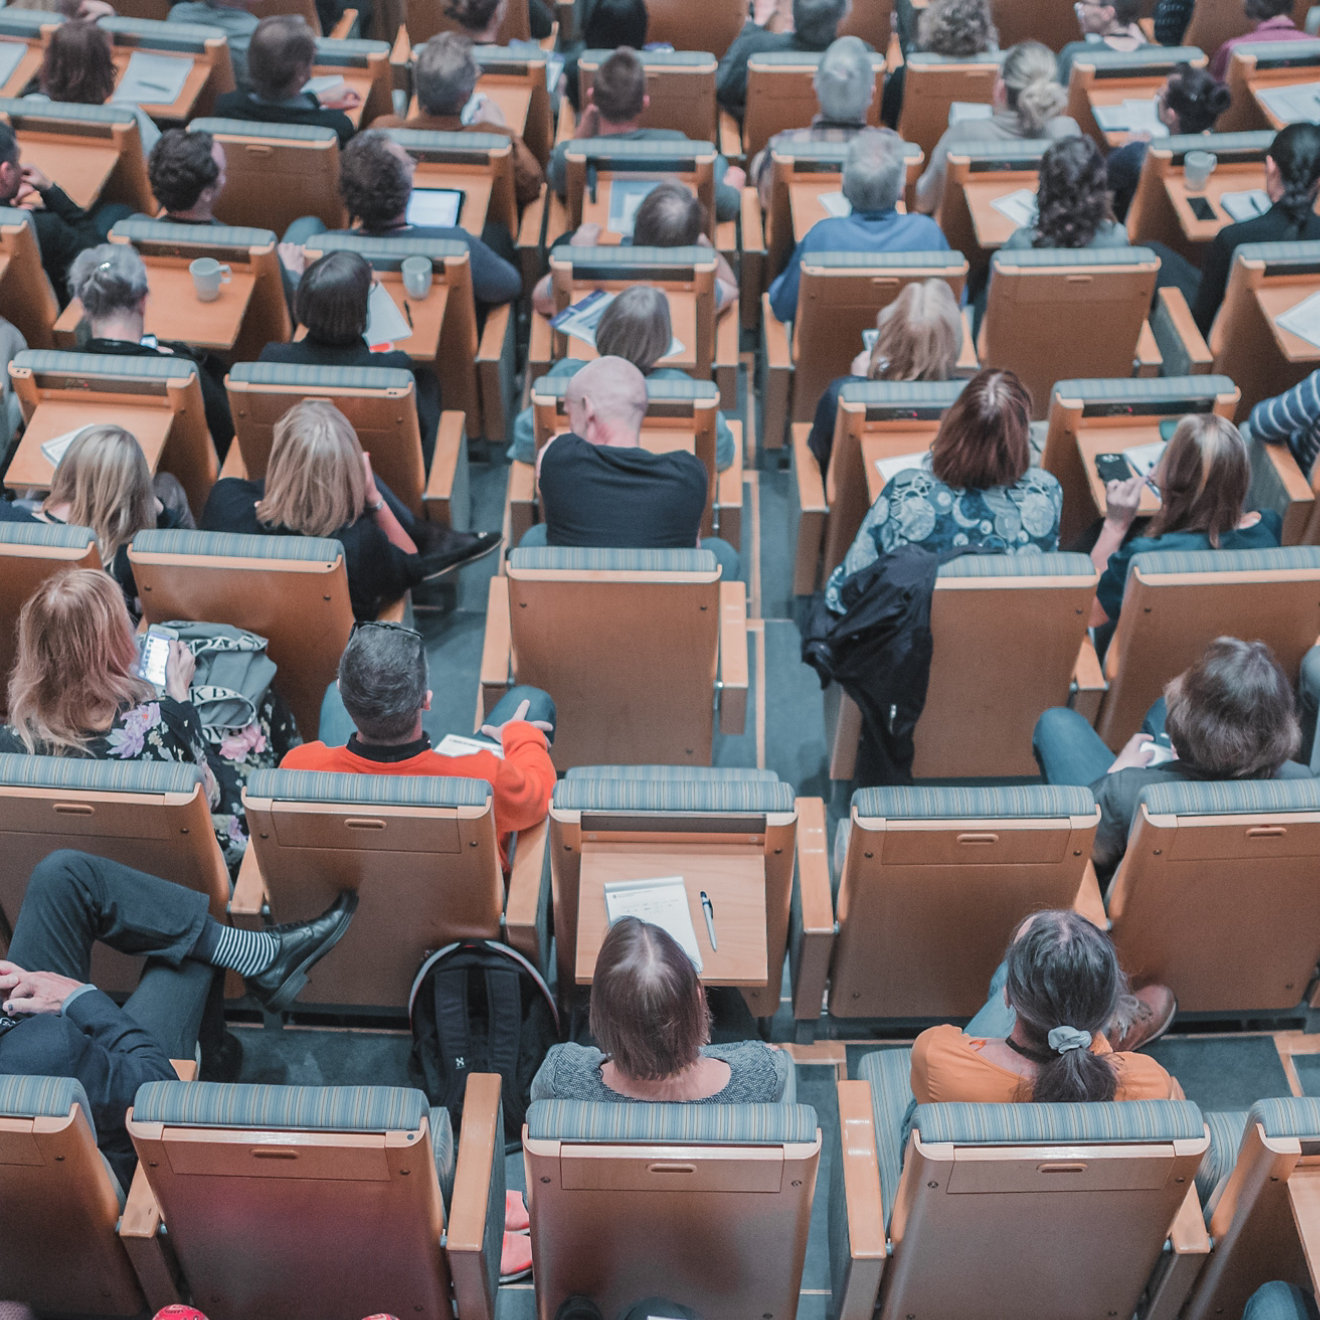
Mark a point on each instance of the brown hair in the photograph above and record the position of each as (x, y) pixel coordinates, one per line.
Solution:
(77, 67)
(104, 479)
(637, 327)
(618, 90)
(315, 482)
(957, 28)
(374, 180)
(1232, 714)
(982, 440)
(281, 49)
(920, 334)
(181, 168)
(1203, 479)
(648, 1011)
(331, 298)
(76, 663)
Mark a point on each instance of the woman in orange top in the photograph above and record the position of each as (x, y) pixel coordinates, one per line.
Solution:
(1063, 983)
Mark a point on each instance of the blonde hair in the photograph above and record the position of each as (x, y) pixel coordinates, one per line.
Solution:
(76, 662)
(1031, 76)
(636, 326)
(920, 335)
(104, 479)
(315, 482)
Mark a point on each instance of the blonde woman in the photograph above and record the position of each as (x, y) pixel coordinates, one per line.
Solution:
(919, 336)
(75, 691)
(1028, 103)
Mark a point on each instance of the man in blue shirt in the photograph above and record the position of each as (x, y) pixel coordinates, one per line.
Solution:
(873, 172)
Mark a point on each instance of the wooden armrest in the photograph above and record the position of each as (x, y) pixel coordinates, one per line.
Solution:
(816, 911)
(249, 898)
(567, 125)
(858, 1284)
(556, 216)
(480, 1145)
(497, 644)
(811, 511)
(778, 375)
(726, 361)
(148, 1252)
(967, 363)
(401, 60)
(185, 1069)
(729, 492)
(524, 898)
(233, 465)
(1181, 344)
(448, 470)
(751, 269)
(1149, 360)
(521, 500)
(733, 657)
(345, 26)
(1277, 483)
(1089, 682)
(1304, 1198)
(540, 348)
(495, 373)
(730, 134)
(1179, 1268)
(531, 235)
(1089, 903)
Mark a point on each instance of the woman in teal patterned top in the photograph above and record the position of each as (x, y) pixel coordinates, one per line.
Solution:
(976, 487)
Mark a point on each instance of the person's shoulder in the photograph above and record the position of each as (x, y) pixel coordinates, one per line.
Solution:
(571, 1071)
(278, 352)
(227, 102)
(1271, 525)
(1038, 479)
(942, 1042)
(1062, 126)
(309, 756)
(1140, 1077)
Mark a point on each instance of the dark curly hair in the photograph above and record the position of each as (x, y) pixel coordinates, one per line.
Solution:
(1074, 198)
(181, 167)
(1196, 97)
(374, 181)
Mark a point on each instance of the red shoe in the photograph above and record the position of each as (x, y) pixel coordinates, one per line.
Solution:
(516, 1218)
(516, 1257)
(1142, 1017)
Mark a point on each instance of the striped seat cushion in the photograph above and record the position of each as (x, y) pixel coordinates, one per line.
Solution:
(143, 229)
(459, 144)
(734, 1125)
(1020, 565)
(1292, 1116)
(1026, 1125)
(733, 796)
(57, 536)
(244, 128)
(1145, 390)
(283, 1108)
(580, 560)
(18, 109)
(685, 772)
(103, 364)
(80, 772)
(42, 1097)
(1226, 1131)
(233, 545)
(296, 374)
(889, 1072)
(950, 260)
(1281, 559)
(1234, 797)
(372, 790)
(1022, 801)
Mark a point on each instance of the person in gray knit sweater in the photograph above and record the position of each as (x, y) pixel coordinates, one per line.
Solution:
(649, 1014)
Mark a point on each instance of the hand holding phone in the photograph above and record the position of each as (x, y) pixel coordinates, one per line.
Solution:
(154, 654)
(1112, 467)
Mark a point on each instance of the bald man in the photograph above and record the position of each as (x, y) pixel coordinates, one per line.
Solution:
(599, 487)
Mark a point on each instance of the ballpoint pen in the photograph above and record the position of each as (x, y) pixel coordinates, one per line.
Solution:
(709, 913)
(407, 311)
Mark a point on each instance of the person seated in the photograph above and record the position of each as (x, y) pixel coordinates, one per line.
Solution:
(383, 686)
(1059, 1027)
(651, 1024)
(376, 183)
(1028, 103)
(102, 482)
(1272, 21)
(874, 170)
(1229, 716)
(918, 337)
(53, 1022)
(600, 487)
(445, 77)
(815, 26)
(613, 110)
(77, 69)
(845, 87)
(1170, 20)
(957, 29)
(319, 483)
(1111, 25)
(330, 302)
(636, 327)
(1189, 102)
(187, 175)
(976, 487)
(671, 215)
(1203, 479)
(1072, 202)
(63, 228)
(233, 17)
(280, 57)
(604, 25)
(1291, 418)
(75, 691)
(483, 20)
(110, 281)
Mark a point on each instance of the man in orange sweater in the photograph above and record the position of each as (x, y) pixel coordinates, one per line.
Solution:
(383, 686)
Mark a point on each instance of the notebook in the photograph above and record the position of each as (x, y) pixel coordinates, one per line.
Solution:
(1245, 205)
(152, 79)
(581, 319)
(385, 323)
(1303, 319)
(889, 468)
(626, 195)
(663, 902)
(1019, 207)
(835, 204)
(1293, 103)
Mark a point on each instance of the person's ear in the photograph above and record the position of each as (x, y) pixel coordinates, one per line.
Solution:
(426, 700)
(646, 100)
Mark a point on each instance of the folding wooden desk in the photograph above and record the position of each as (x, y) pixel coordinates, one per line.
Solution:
(880, 445)
(682, 316)
(184, 105)
(992, 228)
(513, 98)
(1274, 300)
(32, 470)
(1094, 440)
(474, 184)
(1233, 176)
(81, 167)
(1111, 92)
(26, 68)
(425, 315)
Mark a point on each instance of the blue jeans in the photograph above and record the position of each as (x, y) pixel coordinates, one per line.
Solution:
(725, 555)
(1069, 751)
(1280, 1301)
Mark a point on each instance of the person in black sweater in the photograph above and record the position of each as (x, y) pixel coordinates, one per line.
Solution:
(111, 283)
(187, 175)
(331, 302)
(280, 59)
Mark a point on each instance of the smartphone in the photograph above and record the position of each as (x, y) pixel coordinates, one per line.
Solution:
(1112, 467)
(154, 653)
(1201, 208)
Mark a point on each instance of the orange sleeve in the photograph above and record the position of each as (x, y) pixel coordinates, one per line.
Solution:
(525, 779)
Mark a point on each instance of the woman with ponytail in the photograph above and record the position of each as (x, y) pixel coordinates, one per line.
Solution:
(1028, 103)
(1063, 1011)
(1292, 175)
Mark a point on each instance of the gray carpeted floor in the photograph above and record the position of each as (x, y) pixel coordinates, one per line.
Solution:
(1308, 1072)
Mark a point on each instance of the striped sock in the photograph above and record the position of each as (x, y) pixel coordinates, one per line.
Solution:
(246, 952)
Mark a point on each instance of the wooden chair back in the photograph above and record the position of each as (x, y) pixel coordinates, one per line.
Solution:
(935, 881)
(590, 164)
(1216, 895)
(1259, 67)
(996, 168)
(291, 590)
(692, 25)
(781, 94)
(1038, 295)
(1176, 604)
(443, 159)
(524, 67)
(359, 60)
(931, 86)
(28, 299)
(212, 72)
(277, 172)
(680, 83)
(1215, 22)
(424, 19)
(1022, 20)
(1104, 76)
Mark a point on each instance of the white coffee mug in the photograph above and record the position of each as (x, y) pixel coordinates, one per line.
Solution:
(208, 275)
(416, 276)
(1198, 166)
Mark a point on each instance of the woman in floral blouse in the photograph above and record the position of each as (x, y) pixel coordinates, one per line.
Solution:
(975, 488)
(75, 691)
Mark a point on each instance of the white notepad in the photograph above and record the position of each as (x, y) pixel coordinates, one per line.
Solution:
(1019, 207)
(1303, 319)
(322, 83)
(55, 449)
(1132, 115)
(663, 902)
(962, 111)
(152, 79)
(835, 204)
(1293, 103)
(454, 744)
(1245, 205)
(1145, 458)
(581, 319)
(385, 323)
(889, 468)
(626, 195)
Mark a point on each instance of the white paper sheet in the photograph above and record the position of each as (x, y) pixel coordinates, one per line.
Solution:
(1145, 458)
(1019, 207)
(385, 323)
(961, 111)
(889, 468)
(1245, 205)
(1132, 115)
(11, 52)
(454, 744)
(1303, 319)
(1293, 103)
(152, 79)
(835, 204)
(663, 902)
(869, 336)
(581, 319)
(322, 83)
(626, 195)
(554, 70)
(54, 449)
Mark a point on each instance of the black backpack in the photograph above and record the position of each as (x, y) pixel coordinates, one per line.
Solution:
(480, 1006)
